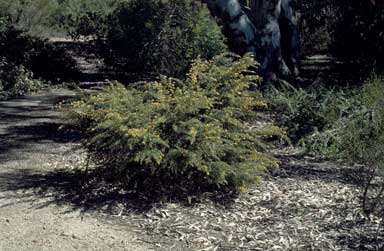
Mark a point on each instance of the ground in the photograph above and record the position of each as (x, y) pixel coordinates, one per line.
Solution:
(30, 219)
(46, 204)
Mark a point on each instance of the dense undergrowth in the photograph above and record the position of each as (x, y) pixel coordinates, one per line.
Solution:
(147, 38)
(27, 62)
(339, 124)
(193, 132)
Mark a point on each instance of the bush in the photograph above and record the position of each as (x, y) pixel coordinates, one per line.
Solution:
(148, 38)
(361, 140)
(16, 80)
(32, 16)
(16, 46)
(172, 131)
(37, 55)
(362, 136)
(24, 59)
(85, 18)
(299, 111)
(352, 130)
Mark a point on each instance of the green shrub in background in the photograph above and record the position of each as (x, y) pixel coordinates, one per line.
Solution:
(36, 17)
(313, 117)
(361, 140)
(180, 132)
(16, 80)
(299, 111)
(37, 55)
(24, 59)
(349, 127)
(148, 38)
(85, 18)
(362, 135)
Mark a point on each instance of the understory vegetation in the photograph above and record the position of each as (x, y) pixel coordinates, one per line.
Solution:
(174, 111)
(196, 131)
(148, 38)
(28, 62)
(339, 124)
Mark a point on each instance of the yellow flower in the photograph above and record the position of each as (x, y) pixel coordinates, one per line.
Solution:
(137, 132)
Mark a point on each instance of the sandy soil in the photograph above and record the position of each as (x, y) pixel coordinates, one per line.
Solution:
(31, 146)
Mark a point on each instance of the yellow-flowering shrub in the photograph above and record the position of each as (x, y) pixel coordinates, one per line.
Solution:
(193, 130)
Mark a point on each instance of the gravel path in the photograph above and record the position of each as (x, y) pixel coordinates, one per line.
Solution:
(31, 147)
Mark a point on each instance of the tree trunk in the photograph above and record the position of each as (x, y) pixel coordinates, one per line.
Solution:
(266, 28)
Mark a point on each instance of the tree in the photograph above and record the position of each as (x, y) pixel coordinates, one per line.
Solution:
(265, 28)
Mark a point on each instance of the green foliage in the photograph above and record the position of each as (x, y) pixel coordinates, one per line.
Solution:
(193, 130)
(313, 118)
(361, 139)
(40, 57)
(161, 37)
(363, 133)
(299, 111)
(352, 125)
(16, 80)
(22, 54)
(32, 16)
(85, 17)
(351, 129)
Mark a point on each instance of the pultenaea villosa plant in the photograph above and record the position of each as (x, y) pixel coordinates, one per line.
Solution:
(194, 129)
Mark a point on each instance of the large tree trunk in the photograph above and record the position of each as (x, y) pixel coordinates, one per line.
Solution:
(266, 28)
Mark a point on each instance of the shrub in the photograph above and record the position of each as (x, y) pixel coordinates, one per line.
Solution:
(310, 115)
(361, 139)
(85, 17)
(16, 80)
(152, 37)
(16, 46)
(362, 136)
(24, 59)
(352, 130)
(193, 130)
(32, 16)
(297, 109)
(42, 58)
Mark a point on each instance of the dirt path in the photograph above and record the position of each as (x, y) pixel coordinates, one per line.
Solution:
(32, 147)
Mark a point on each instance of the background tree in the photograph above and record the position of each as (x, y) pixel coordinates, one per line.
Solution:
(268, 29)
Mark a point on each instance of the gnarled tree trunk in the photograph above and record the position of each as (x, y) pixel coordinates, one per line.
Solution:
(266, 28)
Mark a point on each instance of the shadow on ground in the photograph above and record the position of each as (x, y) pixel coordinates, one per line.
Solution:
(92, 193)
(298, 167)
(31, 120)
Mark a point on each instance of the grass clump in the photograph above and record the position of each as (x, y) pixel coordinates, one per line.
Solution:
(190, 132)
